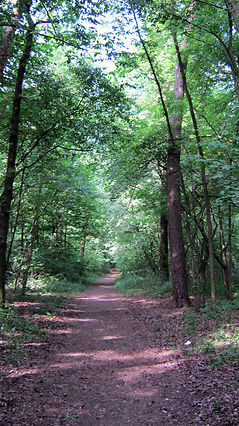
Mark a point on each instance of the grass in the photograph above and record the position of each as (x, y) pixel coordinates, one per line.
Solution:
(215, 332)
(149, 285)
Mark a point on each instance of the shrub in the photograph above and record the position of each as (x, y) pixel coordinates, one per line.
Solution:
(148, 284)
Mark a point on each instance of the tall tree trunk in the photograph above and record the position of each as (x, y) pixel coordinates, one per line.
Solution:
(203, 176)
(176, 240)
(6, 197)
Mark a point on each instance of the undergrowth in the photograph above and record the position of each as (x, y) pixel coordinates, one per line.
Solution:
(15, 331)
(150, 285)
(19, 320)
(55, 284)
(220, 344)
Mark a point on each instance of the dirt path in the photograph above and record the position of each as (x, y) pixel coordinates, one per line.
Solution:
(103, 363)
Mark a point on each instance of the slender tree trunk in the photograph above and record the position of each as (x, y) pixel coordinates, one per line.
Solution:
(225, 262)
(22, 237)
(24, 252)
(189, 207)
(6, 197)
(202, 274)
(230, 242)
(82, 248)
(33, 231)
(16, 218)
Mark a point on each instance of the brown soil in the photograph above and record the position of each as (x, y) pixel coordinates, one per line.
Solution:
(110, 360)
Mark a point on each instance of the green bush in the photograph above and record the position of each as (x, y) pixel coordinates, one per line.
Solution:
(149, 285)
(57, 261)
(56, 284)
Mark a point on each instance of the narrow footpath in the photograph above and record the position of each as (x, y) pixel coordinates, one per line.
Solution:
(104, 363)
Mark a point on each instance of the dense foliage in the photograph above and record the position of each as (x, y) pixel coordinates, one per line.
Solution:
(90, 157)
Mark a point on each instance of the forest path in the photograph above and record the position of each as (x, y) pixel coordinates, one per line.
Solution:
(103, 363)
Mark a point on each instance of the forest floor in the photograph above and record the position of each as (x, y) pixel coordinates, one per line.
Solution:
(108, 359)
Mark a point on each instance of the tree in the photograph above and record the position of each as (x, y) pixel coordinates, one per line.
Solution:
(206, 88)
(34, 129)
(178, 260)
(6, 197)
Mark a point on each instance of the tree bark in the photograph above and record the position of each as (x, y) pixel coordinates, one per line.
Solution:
(7, 194)
(203, 176)
(176, 239)
(7, 40)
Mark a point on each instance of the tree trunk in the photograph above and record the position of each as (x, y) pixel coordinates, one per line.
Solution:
(225, 263)
(189, 214)
(163, 260)
(202, 274)
(24, 252)
(82, 248)
(234, 7)
(33, 231)
(163, 265)
(16, 218)
(203, 176)
(176, 240)
(7, 40)
(6, 197)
